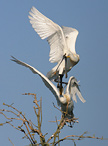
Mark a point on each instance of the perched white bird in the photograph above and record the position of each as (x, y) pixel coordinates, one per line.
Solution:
(65, 100)
(61, 40)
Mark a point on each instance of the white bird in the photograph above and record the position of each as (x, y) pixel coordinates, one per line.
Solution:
(61, 40)
(65, 100)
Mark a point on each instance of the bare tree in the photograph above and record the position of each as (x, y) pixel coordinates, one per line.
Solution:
(30, 130)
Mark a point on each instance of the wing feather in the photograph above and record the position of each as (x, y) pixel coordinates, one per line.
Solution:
(70, 36)
(56, 47)
(42, 24)
(46, 81)
(73, 89)
(46, 28)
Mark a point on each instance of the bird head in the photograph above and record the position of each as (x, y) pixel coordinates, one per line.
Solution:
(74, 58)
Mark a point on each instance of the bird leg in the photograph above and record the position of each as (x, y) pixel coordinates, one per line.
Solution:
(57, 81)
(61, 61)
(65, 66)
(60, 87)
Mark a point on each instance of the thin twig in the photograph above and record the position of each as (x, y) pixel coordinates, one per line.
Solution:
(69, 137)
(10, 141)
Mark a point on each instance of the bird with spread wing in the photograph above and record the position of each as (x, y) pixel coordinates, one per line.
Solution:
(61, 40)
(65, 100)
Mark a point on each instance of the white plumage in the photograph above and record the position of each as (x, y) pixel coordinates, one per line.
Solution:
(65, 100)
(61, 40)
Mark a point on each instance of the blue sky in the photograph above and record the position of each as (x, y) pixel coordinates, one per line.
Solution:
(17, 38)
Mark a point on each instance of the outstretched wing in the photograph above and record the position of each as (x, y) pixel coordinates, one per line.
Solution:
(46, 81)
(46, 28)
(56, 47)
(73, 89)
(70, 36)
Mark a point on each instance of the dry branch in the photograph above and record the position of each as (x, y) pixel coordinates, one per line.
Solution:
(30, 129)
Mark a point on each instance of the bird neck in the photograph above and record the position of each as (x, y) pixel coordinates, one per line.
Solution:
(67, 96)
